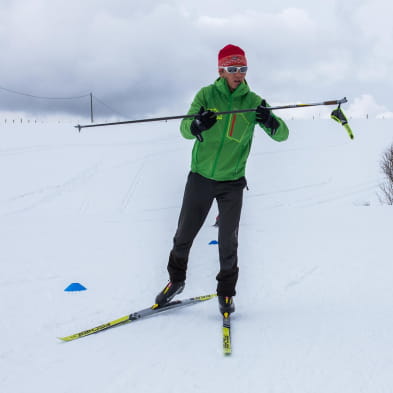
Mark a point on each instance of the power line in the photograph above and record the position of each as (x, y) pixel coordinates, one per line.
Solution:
(64, 98)
(107, 106)
(41, 97)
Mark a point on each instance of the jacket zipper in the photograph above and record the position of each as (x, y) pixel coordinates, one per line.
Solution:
(232, 125)
(222, 139)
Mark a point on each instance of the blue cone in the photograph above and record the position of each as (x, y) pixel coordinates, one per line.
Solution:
(74, 287)
(214, 242)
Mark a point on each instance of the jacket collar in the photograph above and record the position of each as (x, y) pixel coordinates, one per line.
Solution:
(222, 85)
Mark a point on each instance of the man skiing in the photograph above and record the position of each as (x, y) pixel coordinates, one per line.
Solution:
(221, 148)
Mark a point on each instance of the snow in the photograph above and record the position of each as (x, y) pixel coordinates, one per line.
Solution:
(100, 208)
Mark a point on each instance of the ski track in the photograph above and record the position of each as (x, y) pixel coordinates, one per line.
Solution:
(290, 190)
(306, 149)
(131, 189)
(320, 193)
(33, 199)
(301, 278)
(344, 193)
(28, 150)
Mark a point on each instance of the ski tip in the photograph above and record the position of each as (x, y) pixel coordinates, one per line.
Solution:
(64, 339)
(73, 337)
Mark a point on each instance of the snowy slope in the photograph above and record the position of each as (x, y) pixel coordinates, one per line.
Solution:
(100, 208)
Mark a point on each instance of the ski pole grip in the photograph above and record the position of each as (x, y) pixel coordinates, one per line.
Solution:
(335, 102)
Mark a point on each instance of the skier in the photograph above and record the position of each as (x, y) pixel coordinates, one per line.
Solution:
(218, 164)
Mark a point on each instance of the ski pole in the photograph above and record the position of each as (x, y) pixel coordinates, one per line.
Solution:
(332, 102)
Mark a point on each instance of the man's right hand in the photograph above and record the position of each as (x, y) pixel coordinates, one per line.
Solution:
(202, 122)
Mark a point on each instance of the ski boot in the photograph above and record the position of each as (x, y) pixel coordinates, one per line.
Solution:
(169, 292)
(226, 304)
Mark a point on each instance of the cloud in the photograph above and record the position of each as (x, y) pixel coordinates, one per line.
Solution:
(365, 105)
(289, 19)
(142, 58)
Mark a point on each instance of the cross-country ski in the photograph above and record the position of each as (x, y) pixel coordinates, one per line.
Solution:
(147, 312)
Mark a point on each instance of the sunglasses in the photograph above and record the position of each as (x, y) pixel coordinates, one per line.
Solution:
(234, 69)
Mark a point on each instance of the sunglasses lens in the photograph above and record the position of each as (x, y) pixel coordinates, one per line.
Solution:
(243, 70)
(231, 70)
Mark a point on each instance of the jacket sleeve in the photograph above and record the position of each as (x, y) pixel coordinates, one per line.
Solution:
(185, 124)
(282, 131)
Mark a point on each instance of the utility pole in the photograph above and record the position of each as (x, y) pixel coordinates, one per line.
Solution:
(91, 107)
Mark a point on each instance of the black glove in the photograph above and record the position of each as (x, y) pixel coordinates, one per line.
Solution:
(339, 116)
(264, 116)
(202, 122)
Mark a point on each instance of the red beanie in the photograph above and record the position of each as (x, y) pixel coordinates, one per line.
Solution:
(231, 55)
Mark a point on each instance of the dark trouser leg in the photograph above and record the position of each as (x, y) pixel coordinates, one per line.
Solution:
(197, 200)
(229, 202)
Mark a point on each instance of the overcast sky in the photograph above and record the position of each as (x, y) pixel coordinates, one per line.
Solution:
(145, 57)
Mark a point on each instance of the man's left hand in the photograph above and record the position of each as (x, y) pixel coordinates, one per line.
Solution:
(264, 116)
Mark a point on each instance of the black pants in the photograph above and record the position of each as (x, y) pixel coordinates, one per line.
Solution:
(198, 197)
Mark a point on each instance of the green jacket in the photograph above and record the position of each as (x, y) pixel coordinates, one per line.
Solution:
(223, 153)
